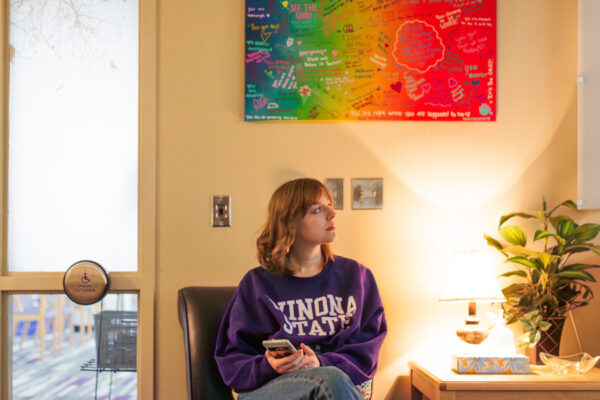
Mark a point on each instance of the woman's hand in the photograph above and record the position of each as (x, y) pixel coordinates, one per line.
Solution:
(310, 358)
(301, 359)
(283, 365)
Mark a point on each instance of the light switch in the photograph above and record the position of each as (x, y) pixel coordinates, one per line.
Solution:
(221, 211)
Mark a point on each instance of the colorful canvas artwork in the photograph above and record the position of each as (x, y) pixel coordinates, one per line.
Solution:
(370, 60)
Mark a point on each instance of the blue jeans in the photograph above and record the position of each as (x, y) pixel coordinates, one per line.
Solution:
(322, 383)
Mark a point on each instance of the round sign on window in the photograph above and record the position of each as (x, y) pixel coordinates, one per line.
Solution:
(86, 282)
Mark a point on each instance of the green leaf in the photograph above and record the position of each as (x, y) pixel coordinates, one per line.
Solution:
(566, 203)
(511, 273)
(545, 325)
(523, 261)
(494, 243)
(587, 293)
(527, 325)
(586, 232)
(506, 217)
(524, 338)
(570, 204)
(579, 267)
(535, 277)
(540, 234)
(513, 299)
(568, 290)
(520, 251)
(541, 216)
(527, 301)
(581, 248)
(531, 314)
(555, 220)
(529, 338)
(513, 234)
(546, 258)
(565, 228)
(517, 289)
(586, 276)
(549, 303)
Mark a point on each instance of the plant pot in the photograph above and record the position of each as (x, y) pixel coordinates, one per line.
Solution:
(550, 339)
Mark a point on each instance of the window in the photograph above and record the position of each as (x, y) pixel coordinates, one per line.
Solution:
(73, 134)
(61, 350)
(80, 94)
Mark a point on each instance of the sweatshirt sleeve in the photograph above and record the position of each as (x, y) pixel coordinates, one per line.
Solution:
(238, 352)
(357, 356)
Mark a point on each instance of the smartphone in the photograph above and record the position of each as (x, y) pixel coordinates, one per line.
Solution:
(279, 347)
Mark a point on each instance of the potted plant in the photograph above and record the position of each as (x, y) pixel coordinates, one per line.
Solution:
(550, 284)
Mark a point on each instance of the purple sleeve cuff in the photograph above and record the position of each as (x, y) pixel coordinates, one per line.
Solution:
(324, 361)
(265, 371)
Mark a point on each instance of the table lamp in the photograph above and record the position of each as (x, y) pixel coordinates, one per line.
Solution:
(472, 280)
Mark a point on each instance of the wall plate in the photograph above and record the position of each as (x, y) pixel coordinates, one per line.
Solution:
(336, 188)
(367, 194)
(221, 212)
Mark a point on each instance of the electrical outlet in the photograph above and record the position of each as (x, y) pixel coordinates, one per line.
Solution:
(221, 211)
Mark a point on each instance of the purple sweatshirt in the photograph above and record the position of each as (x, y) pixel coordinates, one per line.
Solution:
(337, 312)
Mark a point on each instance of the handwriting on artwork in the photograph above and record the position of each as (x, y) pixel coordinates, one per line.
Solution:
(370, 60)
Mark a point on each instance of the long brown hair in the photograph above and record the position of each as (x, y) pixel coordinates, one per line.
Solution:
(287, 206)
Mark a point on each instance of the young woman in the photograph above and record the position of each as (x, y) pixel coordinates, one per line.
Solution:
(327, 306)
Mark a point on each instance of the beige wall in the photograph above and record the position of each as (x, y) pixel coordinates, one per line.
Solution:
(445, 183)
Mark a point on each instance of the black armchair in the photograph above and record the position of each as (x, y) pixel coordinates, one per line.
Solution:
(200, 311)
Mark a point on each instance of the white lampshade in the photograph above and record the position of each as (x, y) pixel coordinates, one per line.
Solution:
(472, 279)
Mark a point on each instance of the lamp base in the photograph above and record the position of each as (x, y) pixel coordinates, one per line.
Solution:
(471, 332)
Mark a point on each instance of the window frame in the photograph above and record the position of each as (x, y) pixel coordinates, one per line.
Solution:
(143, 281)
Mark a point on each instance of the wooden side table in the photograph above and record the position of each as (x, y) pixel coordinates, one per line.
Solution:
(438, 382)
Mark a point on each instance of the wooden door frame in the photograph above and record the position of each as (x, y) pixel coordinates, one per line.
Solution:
(142, 282)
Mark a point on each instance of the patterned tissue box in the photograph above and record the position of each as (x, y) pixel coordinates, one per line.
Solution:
(518, 364)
